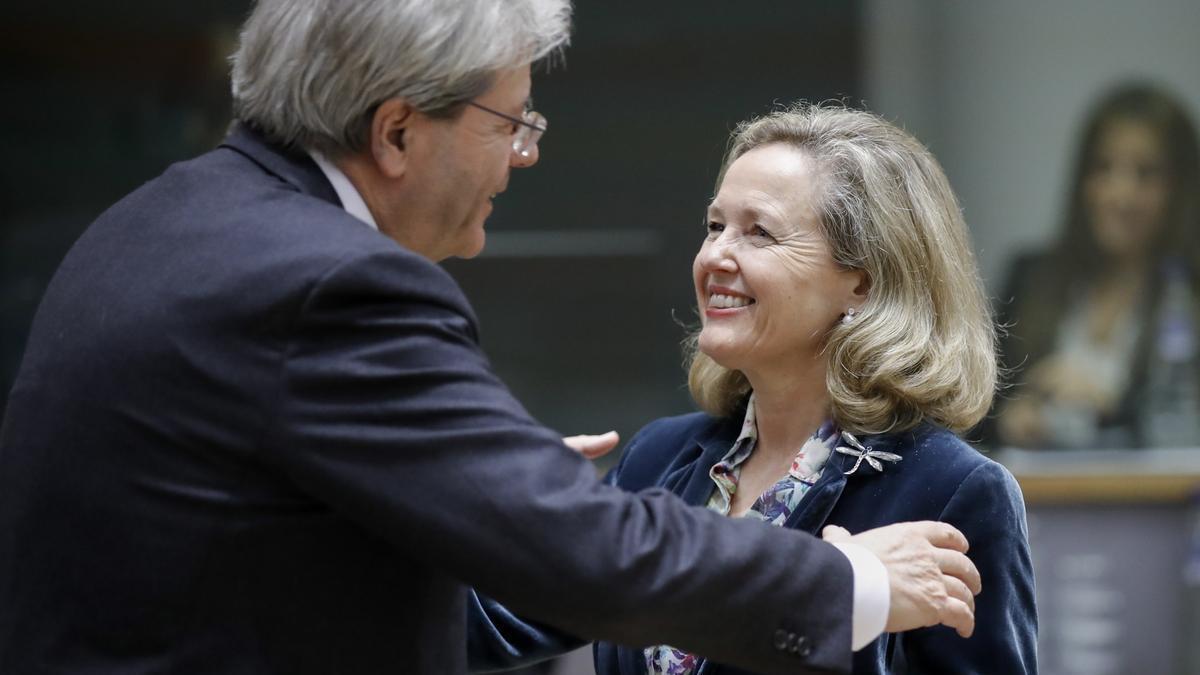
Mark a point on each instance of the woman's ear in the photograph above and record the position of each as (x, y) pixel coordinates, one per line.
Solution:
(863, 288)
(856, 286)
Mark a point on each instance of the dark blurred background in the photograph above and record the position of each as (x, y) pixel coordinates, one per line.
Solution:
(584, 290)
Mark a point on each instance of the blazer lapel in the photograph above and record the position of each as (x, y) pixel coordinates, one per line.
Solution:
(631, 661)
(814, 509)
(713, 443)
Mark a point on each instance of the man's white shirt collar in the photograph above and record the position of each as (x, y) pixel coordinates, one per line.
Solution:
(352, 201)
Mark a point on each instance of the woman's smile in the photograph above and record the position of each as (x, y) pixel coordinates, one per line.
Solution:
(726, 302)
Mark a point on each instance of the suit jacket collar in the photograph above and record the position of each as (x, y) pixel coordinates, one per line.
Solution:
(290, 165)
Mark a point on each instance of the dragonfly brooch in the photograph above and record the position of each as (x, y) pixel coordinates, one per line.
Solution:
(872, 456)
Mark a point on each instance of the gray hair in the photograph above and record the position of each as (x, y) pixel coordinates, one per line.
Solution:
(923, 344)
(311, 73)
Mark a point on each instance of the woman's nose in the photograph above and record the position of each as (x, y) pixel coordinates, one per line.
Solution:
(718, 255)
(1122, 184)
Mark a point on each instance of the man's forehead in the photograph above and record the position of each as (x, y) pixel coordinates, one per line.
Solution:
(511, 91)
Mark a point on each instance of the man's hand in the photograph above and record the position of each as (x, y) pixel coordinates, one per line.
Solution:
(931, 579)
(593, 446)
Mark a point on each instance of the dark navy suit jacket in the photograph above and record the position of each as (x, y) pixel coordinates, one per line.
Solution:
(251, 435)
(939, 478)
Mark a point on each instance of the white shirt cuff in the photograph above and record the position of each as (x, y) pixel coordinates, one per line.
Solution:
(872, 595)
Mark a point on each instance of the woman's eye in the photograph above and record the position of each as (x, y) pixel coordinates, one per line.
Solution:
(759, 231)
(714, 228)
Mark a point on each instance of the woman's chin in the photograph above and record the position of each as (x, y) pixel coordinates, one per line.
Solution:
(723, 353)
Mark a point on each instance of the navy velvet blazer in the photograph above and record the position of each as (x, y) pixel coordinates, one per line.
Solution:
(251, 435)
(939, 478)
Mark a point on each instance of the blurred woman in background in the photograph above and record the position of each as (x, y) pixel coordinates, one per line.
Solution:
(1101, 329)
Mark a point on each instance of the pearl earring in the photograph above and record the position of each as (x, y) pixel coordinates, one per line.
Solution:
(849, 315)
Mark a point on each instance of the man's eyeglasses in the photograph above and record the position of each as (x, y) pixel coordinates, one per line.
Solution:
(527, 130)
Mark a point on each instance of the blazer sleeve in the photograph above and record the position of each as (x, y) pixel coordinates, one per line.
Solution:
(988, 508)
(388, 412)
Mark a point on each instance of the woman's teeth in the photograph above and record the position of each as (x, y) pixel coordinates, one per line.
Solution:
(719, 301)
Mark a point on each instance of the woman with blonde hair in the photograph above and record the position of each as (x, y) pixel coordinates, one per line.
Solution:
(845, 339)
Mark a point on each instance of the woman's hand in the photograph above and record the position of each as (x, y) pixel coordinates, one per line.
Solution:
(593, 446)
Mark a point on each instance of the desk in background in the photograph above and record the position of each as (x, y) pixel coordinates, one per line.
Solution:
(1113, 534)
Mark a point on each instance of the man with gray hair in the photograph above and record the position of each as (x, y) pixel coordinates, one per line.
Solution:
(254, 432)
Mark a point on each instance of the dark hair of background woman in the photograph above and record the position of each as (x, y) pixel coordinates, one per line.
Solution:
(1077, 254)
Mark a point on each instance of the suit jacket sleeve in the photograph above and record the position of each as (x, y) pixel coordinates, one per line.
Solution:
(389, 412)
(989, 510)
(497, 639)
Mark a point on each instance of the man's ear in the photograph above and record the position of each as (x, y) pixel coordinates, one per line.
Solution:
(392, 120)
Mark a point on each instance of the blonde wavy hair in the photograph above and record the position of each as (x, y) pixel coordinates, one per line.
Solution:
(923, 344)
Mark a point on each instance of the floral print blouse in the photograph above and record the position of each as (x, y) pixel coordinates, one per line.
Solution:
(773, 506)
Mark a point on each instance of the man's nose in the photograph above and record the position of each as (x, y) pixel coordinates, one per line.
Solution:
(518, 160)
